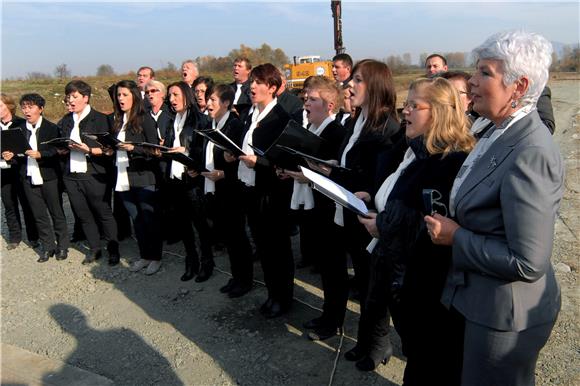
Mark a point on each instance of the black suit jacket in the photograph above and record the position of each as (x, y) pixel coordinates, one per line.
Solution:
(163, 121)
(94, 122)
(143, 168)
(244, 103)
(48, 162)
(267, 131)
(545, 110)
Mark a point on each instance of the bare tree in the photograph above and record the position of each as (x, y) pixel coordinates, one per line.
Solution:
(105, 70)
(61, 71)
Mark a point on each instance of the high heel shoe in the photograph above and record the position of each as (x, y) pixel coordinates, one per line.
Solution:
(355, 354)
(372, 360)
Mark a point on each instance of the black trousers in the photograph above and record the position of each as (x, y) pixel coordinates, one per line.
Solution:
(45, 199)
(91, 202)
(231, 221)
(267, 213)
(13, 196)
(142, 203)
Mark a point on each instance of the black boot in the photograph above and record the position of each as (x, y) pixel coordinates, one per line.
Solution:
(375, 356)
(113, 250)
(191, 270)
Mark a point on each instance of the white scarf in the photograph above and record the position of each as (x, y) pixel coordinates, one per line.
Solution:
(32, 169)
(177, 168)
(3, 163)
(209, 186)
(358, 126)
(385, 190)
(78, 160)
(122, 161)
(238, 93)
(156, 117)
(245, 174)
(302, 192)
(481, 149)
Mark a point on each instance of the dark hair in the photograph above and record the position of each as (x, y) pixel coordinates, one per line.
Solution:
(343, 58)
(267, 74)
(135, 116)
(449, 75)
(186, 91)
(245, 60)
(436, 56)
(80, 86)
(225, 93)
(33, 99)
(209, 83)
(381, 94)
(147, 68)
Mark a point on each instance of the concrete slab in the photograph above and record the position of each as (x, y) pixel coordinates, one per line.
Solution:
(21, 367)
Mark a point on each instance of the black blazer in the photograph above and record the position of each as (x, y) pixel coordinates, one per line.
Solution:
(49, 161)
(94, 122)
(143, 167)
(188, 138)
(244, 102)
(267, 131)
(333, 134)
(362, 158)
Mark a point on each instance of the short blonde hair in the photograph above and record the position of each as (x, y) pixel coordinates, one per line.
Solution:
(328, 90)
(158, 85)
(449, 128)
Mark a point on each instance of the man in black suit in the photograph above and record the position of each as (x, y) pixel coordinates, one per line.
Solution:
(189, 72)
(87, 172)
(241, 84)
(290, 102)
(39, 173)
(342, 68)
(144, 75)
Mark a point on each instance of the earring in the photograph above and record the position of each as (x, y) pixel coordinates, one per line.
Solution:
(514, 104)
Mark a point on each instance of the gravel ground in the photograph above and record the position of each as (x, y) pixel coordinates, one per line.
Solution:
(140, 330)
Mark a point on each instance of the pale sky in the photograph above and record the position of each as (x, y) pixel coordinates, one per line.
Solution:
(38, 36)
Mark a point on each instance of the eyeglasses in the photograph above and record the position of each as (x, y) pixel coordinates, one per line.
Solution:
(412, 105)
(151, 91)
(462, 92)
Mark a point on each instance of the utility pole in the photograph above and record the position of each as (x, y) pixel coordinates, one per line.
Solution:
(336, 8)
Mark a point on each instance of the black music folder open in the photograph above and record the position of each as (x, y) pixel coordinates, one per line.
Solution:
(184, 159)
(221, 141)
(14, 140)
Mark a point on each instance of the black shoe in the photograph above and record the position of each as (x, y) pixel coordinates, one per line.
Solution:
(92, 256)
(239, 290)
(264, 308)
(12, 245)
(204, 274)
(355, 354)
(77, 238)
(303, 263)
(191, 269)
(113, 251)
(323, 333)
(276, 309)
(61, 254)
(228, 287)
(45, 255)
(34, 244)
(114, 259)
(315, 323)
(371, 361)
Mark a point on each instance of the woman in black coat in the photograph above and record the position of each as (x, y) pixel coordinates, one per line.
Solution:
(267, 197)
(223, 189)
(374, 131)
(183, 193)
(408, 272)
(136, 173)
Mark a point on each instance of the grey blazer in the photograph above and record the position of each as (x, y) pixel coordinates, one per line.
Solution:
(501, 275)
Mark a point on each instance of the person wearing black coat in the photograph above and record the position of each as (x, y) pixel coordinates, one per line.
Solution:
(267, 197)
(136, 171)
(13, 195)
(408, 271)
(223, 189)
(241, 85)
(373, 131)
(39, 174)
(182, 191)
(87, 172)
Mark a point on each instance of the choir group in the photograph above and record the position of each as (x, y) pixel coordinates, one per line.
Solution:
(463, 186)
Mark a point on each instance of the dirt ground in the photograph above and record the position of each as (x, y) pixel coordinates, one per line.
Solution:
(140, 330)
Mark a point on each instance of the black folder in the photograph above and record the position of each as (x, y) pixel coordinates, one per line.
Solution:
(311, 157)
(60, 142)
(14, 140)
(221, 141)
(189, 162)
(295, 137)
(104, 139)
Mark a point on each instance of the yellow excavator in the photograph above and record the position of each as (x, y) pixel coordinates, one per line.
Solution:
(305, 66)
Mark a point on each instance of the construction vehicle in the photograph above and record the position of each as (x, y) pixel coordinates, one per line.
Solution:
(305, 66)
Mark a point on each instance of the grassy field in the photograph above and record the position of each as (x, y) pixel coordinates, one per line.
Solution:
(53, 89)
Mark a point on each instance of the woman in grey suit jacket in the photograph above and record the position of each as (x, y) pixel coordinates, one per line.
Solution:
(504, 200)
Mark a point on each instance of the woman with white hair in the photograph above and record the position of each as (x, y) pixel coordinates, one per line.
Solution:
(504, 202)
(155, 92)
